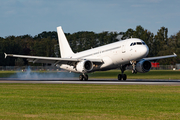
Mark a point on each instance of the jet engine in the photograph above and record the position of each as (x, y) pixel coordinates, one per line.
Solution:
(143, 66)
(84, 66)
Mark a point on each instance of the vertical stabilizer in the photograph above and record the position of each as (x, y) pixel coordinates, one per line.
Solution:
(65, 49)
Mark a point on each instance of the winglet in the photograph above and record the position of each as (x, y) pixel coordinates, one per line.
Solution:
(5, 55)
(175, 54)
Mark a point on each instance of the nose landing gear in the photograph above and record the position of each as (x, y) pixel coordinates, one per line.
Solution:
(134, 71)
(83, 77)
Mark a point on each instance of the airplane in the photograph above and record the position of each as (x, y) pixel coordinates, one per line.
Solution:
(120, 54)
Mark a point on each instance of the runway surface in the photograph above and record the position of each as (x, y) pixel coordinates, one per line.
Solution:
(91, 81)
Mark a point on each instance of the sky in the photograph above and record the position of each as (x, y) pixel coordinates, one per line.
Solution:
(21, 17)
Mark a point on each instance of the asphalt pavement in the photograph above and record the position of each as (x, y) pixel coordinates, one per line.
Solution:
(91, 81)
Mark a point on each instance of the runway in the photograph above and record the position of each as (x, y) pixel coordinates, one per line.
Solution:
(91, 81)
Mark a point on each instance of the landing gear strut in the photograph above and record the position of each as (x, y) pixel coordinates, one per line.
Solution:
(83, 77)
(122, 76)
(134, 71)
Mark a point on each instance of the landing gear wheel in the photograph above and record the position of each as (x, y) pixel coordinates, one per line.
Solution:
(85, 77)
(81, 77)
(119, 76)
(124, 77)
(134, 72)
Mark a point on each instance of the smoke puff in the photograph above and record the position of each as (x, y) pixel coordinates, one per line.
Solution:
(30, 75)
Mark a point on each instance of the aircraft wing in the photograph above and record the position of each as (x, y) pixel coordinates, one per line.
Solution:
(159, 57)
(53, 60)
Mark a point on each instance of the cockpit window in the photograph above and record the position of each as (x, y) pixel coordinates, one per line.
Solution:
(137, 43)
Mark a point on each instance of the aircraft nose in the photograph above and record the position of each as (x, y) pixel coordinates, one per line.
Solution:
(144, 51)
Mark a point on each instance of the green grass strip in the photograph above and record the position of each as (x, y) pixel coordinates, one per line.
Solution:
(99, 102)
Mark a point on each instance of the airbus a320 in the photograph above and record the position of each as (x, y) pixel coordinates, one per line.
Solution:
(119, 54)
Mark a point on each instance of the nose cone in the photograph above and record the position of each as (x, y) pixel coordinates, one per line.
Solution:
(144, 51)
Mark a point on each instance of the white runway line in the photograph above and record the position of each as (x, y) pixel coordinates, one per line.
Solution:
(93, 81)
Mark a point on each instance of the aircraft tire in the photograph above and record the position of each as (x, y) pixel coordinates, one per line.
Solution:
(119, 76)
(81, 77)
(124, 77)
(86, 77)
(134, 72)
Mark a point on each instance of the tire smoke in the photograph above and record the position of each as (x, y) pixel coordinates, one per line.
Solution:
(28, 74)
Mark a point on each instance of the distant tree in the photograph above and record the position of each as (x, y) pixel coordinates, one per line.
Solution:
(9, 45)
(150, 42)
(174, 45)
(128, 34)
(162, 46)
(51, 35)
(161, 40)
(102, 40)
(139, 33)
(46, 44)
(19, 62)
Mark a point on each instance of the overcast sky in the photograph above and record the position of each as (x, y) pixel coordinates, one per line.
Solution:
(20, 17)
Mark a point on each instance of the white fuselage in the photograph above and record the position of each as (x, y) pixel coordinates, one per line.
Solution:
(113, 55)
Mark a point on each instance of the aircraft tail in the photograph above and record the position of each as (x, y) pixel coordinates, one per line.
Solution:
(65, 49)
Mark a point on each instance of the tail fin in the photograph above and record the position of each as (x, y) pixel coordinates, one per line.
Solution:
(65, 49)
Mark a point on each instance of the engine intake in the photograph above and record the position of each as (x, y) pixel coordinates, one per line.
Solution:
(84, 66)
(143, 66)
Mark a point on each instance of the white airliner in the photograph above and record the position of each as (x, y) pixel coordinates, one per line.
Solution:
(111, 56)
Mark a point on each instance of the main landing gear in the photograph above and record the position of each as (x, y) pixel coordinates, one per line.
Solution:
(122, 76)
(83, 77)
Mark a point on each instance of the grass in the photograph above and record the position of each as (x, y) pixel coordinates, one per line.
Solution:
(6, 73)
(77, 101)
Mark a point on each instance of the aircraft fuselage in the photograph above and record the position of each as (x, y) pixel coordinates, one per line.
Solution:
(113, 55)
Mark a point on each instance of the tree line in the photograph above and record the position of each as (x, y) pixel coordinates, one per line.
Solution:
(46, 44)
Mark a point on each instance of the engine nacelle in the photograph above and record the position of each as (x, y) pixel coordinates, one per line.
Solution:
(143, 66)
(84, 66)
